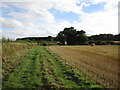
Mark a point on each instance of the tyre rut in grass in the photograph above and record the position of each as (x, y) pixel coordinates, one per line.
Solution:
(26, 75)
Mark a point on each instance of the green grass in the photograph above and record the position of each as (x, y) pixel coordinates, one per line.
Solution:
(43, 69)
(13, 54)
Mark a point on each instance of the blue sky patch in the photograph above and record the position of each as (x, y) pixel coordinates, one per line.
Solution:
(5, 13)
(94, 8)
(68, 16)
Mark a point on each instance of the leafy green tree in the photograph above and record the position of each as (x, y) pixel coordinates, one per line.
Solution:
(117, 37)
(81, 37)
(72, 37)
(61, 37)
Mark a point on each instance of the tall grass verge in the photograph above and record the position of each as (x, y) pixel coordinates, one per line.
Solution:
(10, 53)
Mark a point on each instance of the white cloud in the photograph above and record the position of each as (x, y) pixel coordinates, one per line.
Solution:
(54, 28)
(32, 16)
(10, 23)
(85, 4)
(39, 21)
(4, 5)
(68, 6)
(34, 11)
(96, 23)
(112, 6)
(99, 1)
(105, 21)
(30, 1)
(64, 5)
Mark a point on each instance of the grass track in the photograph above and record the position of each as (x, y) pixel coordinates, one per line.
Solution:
(42, 69)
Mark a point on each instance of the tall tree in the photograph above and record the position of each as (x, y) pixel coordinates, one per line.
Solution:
(61, 37)
(81, 37)
(72, 37)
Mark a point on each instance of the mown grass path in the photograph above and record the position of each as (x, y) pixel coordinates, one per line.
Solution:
(42, 69)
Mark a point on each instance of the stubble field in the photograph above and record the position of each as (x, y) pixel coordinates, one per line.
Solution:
(99, 62)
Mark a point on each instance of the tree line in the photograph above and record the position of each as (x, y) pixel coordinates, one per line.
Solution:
(71, 36)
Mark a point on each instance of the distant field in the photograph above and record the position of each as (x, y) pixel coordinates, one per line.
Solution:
(100, 62)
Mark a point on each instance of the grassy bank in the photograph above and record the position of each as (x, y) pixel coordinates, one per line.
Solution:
(12, 49)
(11, 52)
(42, 69)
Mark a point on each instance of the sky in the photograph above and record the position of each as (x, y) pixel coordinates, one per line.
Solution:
(43, 18)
